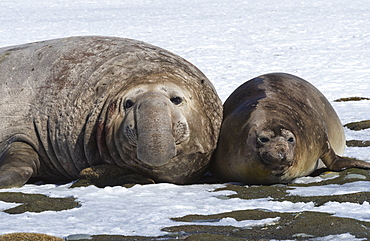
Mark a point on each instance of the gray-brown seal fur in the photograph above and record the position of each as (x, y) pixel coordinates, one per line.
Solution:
(72, 103)
(276, 128)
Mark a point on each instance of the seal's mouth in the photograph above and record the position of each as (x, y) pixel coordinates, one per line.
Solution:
(178, 170)
(151, 167)
(276, 162)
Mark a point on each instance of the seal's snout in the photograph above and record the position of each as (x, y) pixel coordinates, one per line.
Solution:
(156, 143)
(156, 103)
(275, 152)
(281, 152)
(281, 155)
(274, 158)
(277, 162)
(155, 126)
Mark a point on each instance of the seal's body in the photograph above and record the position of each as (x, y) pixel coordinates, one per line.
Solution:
(72, 103)
(278, 127)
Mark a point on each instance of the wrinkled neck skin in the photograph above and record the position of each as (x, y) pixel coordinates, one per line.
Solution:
(148, 129)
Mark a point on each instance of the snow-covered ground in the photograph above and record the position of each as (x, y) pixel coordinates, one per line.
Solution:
(324, 42)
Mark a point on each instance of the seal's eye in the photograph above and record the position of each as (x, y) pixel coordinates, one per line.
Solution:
(176, 100)
(128, 104)
(291, 139)
(263, 139)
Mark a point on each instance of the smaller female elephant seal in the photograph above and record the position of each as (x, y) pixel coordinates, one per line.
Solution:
(72, 103)
(278, 127)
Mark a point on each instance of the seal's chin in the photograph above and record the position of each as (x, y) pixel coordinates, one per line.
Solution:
(278, 163)
(279, 170)
(184, 168)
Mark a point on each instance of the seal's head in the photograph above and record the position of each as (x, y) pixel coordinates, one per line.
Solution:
(270, 151)
(161, 127)
(155, 122)
(161, 115)
(276, 149)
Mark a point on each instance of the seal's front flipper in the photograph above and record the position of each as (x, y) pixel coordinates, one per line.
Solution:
(18, 162)
(338, 163)
(109, 175)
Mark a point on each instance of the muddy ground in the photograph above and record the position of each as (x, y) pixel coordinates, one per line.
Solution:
(296, 226)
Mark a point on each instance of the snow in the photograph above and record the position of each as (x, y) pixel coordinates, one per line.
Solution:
(140, 210)
(324, 42)
(333, 189)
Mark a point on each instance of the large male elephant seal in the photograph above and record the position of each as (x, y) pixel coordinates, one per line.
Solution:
(276, 128)
(72, 103)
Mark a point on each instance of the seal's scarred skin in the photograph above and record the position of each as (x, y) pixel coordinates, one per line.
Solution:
(276, 128)
(67, 104)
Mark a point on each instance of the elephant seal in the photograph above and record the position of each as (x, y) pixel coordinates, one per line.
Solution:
(278, 127)
(72, 103)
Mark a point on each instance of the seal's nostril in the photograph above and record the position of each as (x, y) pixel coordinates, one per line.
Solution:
(282, 156)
